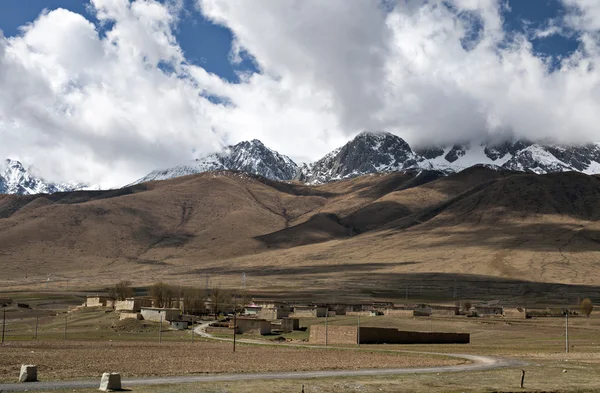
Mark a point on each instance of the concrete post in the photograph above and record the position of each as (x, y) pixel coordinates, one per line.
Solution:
(28, 373)
(110, 381)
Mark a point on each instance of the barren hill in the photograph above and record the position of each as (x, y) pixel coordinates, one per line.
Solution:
(370, 236)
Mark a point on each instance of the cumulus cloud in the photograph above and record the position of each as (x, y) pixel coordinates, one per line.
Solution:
(108, 108)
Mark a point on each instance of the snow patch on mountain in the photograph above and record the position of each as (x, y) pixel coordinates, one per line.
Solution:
(250, 156)
(16, 179)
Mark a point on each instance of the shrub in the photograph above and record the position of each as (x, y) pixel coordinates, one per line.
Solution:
(586, 307)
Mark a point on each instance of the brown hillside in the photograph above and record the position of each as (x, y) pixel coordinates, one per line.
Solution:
(370, 236)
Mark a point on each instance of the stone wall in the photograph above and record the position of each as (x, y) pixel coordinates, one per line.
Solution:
(399, 313)
(344, 335)
(336, 335)
(252, 326)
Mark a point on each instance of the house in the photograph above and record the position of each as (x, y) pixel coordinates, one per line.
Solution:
(160, 314)
(483, 310)
(252, 309)
(179, 325)
(130, 315)
(309, 311)
(133, 304)
(290, 324)
(251, 326)
(444, 311)
(272, 312)
(515, 313)
(98, 301)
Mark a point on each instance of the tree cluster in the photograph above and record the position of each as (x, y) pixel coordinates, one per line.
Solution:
(190, 300)
(120, 291)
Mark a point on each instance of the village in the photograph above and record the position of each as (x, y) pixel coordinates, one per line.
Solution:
(264, 317)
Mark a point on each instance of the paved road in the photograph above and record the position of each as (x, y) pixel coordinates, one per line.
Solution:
(478, 363)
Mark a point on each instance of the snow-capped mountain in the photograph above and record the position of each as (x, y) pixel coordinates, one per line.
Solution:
(514, 155)
(369, 152)
(376, 152)
(15, 179)
(252, 157)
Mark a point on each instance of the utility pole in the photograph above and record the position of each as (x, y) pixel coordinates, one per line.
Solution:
(567, 331)
(234, 327)
(160, 331)
(3, 324)
(358, 331)
(326, 329)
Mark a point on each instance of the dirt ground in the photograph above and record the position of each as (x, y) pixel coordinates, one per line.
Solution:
(58, 359)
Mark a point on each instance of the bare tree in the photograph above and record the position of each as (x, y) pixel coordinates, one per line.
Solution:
(240, 299)
(193, 301)
(162, 294)
(120, 291)
(466, 305)
(221, 300)
(123, 290)
(586, 307)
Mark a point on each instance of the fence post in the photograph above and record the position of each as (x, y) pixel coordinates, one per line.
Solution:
(160, 330)
(37, 319)
(192, 331)
(326, 329)
(66, 319)
(358, 331)
(234, 328)
(3, 324)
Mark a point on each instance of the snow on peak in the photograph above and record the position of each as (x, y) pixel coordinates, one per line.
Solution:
(16, 179)
(248, 156)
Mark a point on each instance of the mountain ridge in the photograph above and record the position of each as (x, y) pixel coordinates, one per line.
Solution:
(382, 152)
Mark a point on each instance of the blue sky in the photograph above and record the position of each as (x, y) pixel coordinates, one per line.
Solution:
(204, 43)
(208, 45)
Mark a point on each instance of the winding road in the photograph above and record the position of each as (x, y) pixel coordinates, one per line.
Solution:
(478, 363)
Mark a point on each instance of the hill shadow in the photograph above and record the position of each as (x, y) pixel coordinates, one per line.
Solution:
(301, 270)
(443, 287)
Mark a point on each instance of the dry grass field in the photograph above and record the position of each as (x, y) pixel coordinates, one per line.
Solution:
(491, 234)
(88, 359)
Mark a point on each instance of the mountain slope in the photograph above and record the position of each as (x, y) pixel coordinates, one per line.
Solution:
(364, 236)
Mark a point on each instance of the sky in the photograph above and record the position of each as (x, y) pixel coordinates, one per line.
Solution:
(105, 91)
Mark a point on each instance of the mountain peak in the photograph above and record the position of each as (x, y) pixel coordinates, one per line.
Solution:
(15, 179)
(246, 156)
(381, 151)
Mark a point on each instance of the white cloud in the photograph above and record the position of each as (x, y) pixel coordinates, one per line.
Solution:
(109, 108)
